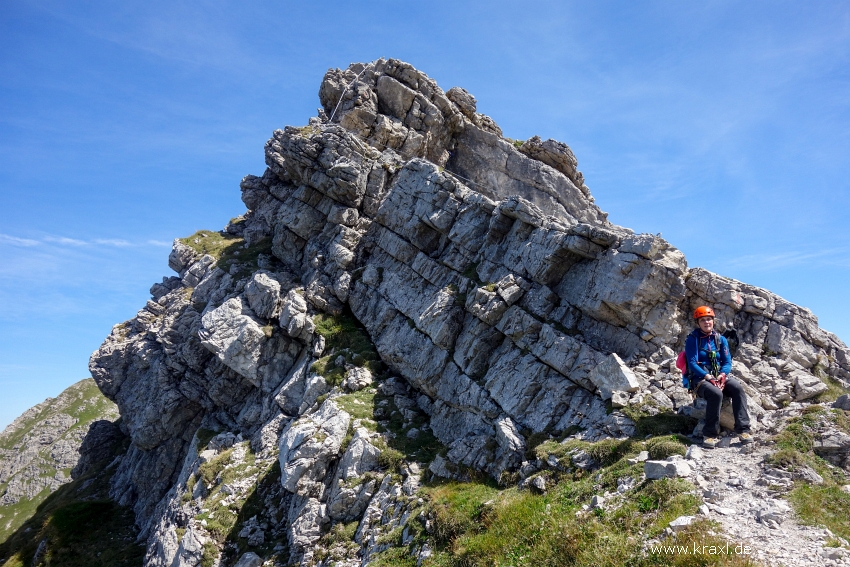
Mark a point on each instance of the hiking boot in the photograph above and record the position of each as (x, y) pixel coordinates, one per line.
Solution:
(745, 438)
(710, 442)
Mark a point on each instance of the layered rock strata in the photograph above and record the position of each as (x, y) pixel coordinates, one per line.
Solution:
(490, 283)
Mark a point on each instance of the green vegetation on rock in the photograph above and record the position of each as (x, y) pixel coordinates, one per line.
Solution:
(34, 470)
(481, 523)
(228, 250)
(825, 504)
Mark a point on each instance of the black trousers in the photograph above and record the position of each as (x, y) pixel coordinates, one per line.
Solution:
(714, 399)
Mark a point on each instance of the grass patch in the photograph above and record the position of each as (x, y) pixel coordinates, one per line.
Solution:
(210, 470)
(664, 423)
(799, 434)
(834, 389)
(825, 504)
(423, 448)
(359, 405)
(660, 448)
(326, 367)
(607, 452)
(223, 520)
(345, 337)
(478, 524)
(15, 515)
(338, 543)
(390, 459)
(395, 557)
(210, 554)
(458, 508)
(268, 483)
(228, 249)
(345, 332)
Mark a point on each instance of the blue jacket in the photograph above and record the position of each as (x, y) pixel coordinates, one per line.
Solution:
(697, 347)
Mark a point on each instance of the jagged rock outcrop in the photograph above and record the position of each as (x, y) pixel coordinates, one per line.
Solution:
(500, 299)
(40, 450)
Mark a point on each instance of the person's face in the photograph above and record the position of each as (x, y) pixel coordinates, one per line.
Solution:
(706, 324)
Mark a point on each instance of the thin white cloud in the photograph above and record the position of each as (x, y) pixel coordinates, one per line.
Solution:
(65, 240)
(15, 241)
(76, 242)
(762, 262)
(183, 33)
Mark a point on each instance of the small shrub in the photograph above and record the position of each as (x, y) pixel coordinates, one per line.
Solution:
(471, 273)
(212, 468)
(788, 459)
(391, 459)
(610, 451)
(204, 437)
(344, 332)
(834, 388)
(210, 554)
(660, 448)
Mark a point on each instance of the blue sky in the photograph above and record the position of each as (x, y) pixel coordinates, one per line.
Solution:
(125, 125)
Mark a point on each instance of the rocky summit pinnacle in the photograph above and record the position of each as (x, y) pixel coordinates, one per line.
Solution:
(408, 291)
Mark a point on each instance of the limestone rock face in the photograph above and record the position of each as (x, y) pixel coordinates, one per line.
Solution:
(414, 267)
(307, 446)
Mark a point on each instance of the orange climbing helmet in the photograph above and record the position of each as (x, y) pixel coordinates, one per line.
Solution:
(703, 311)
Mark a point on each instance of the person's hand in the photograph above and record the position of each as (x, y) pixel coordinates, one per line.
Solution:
(721, 380)
(713, 380)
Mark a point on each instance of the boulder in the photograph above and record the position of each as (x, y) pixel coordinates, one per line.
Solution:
(308, 446)
(232, 333)
(249, 559)
(294, 319)
(613, 374)
(843, 402)
(681, 523)
(263, 295)
(655, 470)
(807, 386)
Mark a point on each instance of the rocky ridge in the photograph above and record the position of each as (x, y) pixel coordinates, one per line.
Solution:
(40, 449)
(499, 307)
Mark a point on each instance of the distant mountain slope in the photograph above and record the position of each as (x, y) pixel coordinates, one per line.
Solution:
(39, 449)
